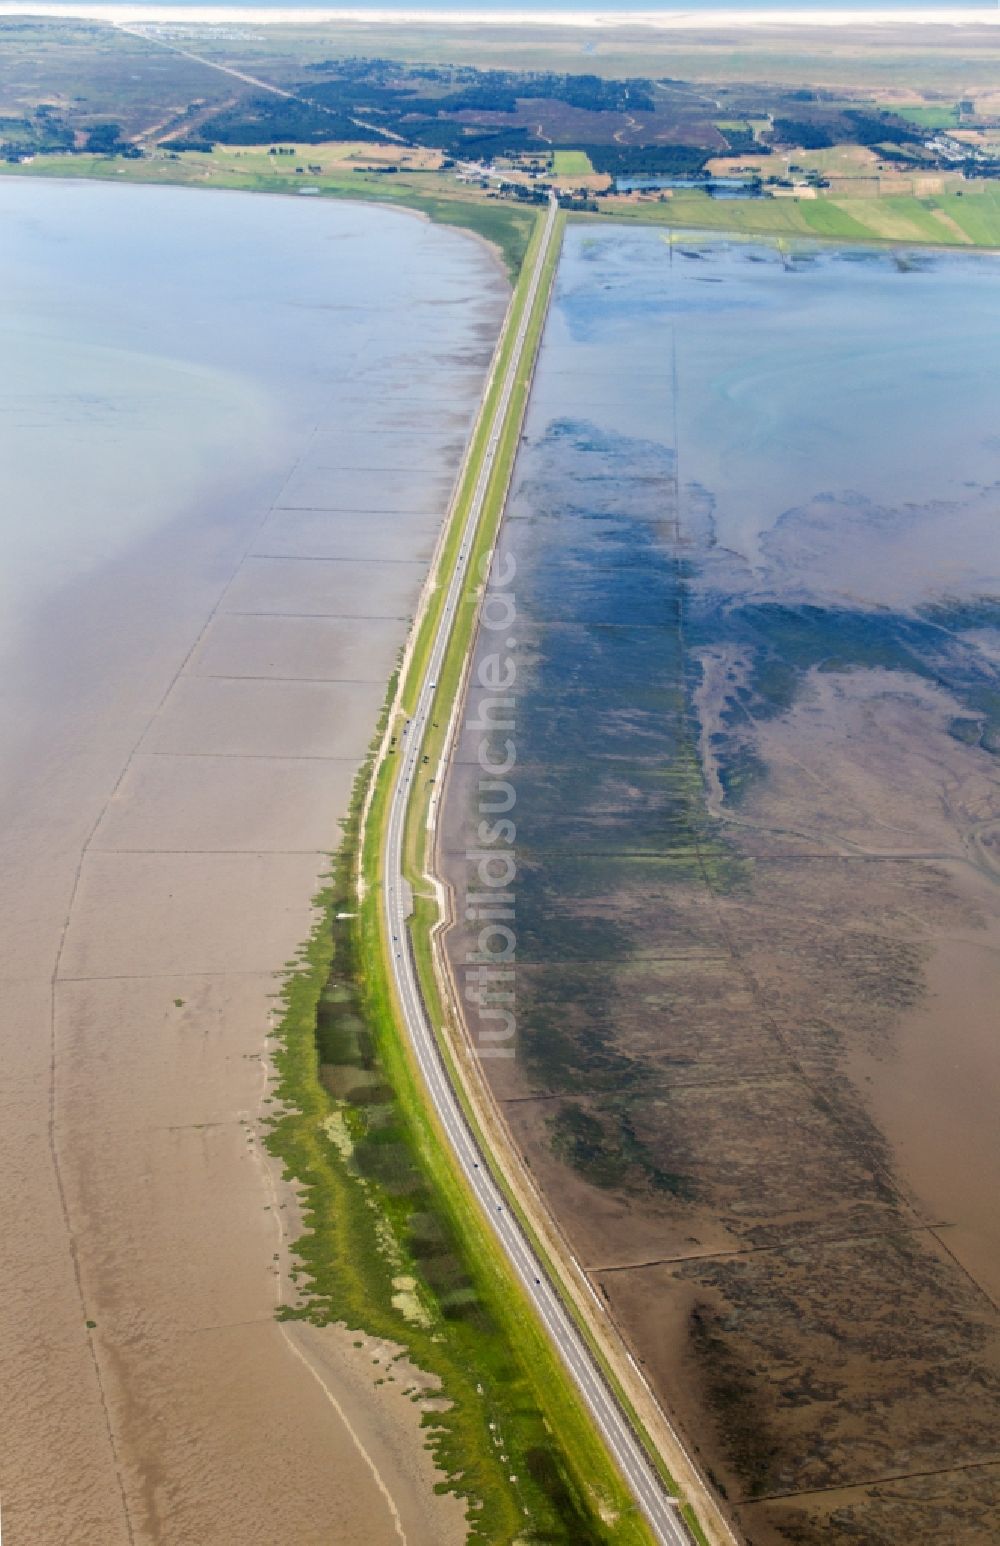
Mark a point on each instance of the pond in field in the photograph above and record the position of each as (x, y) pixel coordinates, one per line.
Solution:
(756, 527)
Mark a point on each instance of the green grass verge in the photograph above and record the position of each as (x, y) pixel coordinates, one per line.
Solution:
(396, 1246)
(691, 1520)
(468, 482)
(418, 858)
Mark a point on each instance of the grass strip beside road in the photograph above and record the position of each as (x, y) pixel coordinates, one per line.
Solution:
(444, 563)
(450, 688)
(557, 1397)
(420, 835)
(395, 1244)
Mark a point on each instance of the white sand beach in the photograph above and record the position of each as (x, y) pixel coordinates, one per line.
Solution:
(657, 21)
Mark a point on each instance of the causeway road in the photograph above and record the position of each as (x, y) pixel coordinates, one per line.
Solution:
(660, 1509)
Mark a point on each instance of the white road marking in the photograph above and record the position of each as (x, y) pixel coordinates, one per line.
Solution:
(660, 1509)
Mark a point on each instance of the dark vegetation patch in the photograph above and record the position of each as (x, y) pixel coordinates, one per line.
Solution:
(44, 131)
(959, 1506)
(784, 643)
(265, 119)
(741, 769)
(732, 1396)
(793, 1371)
(799, 133)
(630, 125)
(850, 127)
(668, 160)
(884, 129)
(610, 801)
(105, 139)
(601, 1142)
(634, 124)
(496, 111)
(741, 141)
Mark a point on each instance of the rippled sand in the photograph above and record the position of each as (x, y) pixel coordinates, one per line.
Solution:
(192, 680)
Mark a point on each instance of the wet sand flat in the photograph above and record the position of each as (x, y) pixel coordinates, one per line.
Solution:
(194, 673)
(757, 588)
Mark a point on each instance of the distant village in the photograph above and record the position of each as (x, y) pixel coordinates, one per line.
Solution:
(530, 178)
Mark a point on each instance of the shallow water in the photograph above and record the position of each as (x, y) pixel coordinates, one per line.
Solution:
(755, 521)
(170, 357)
(229, 426)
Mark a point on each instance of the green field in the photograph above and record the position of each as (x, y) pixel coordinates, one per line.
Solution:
(571, 163)
(967, 218)
(945, 116)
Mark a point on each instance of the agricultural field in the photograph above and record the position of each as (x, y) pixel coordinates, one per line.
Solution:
(962, 218)
(850, 172)
(571, 163)
(943, 116)
(840, 161)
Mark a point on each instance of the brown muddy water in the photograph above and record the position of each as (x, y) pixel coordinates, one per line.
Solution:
(229, 427)
(756, 644)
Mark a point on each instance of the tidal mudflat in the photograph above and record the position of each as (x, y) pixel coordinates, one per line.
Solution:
(755, 523)
(229, 427)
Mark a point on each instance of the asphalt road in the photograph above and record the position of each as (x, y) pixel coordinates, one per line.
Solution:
(655, 1502)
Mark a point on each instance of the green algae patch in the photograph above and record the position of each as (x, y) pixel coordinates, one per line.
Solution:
(394, 1247)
